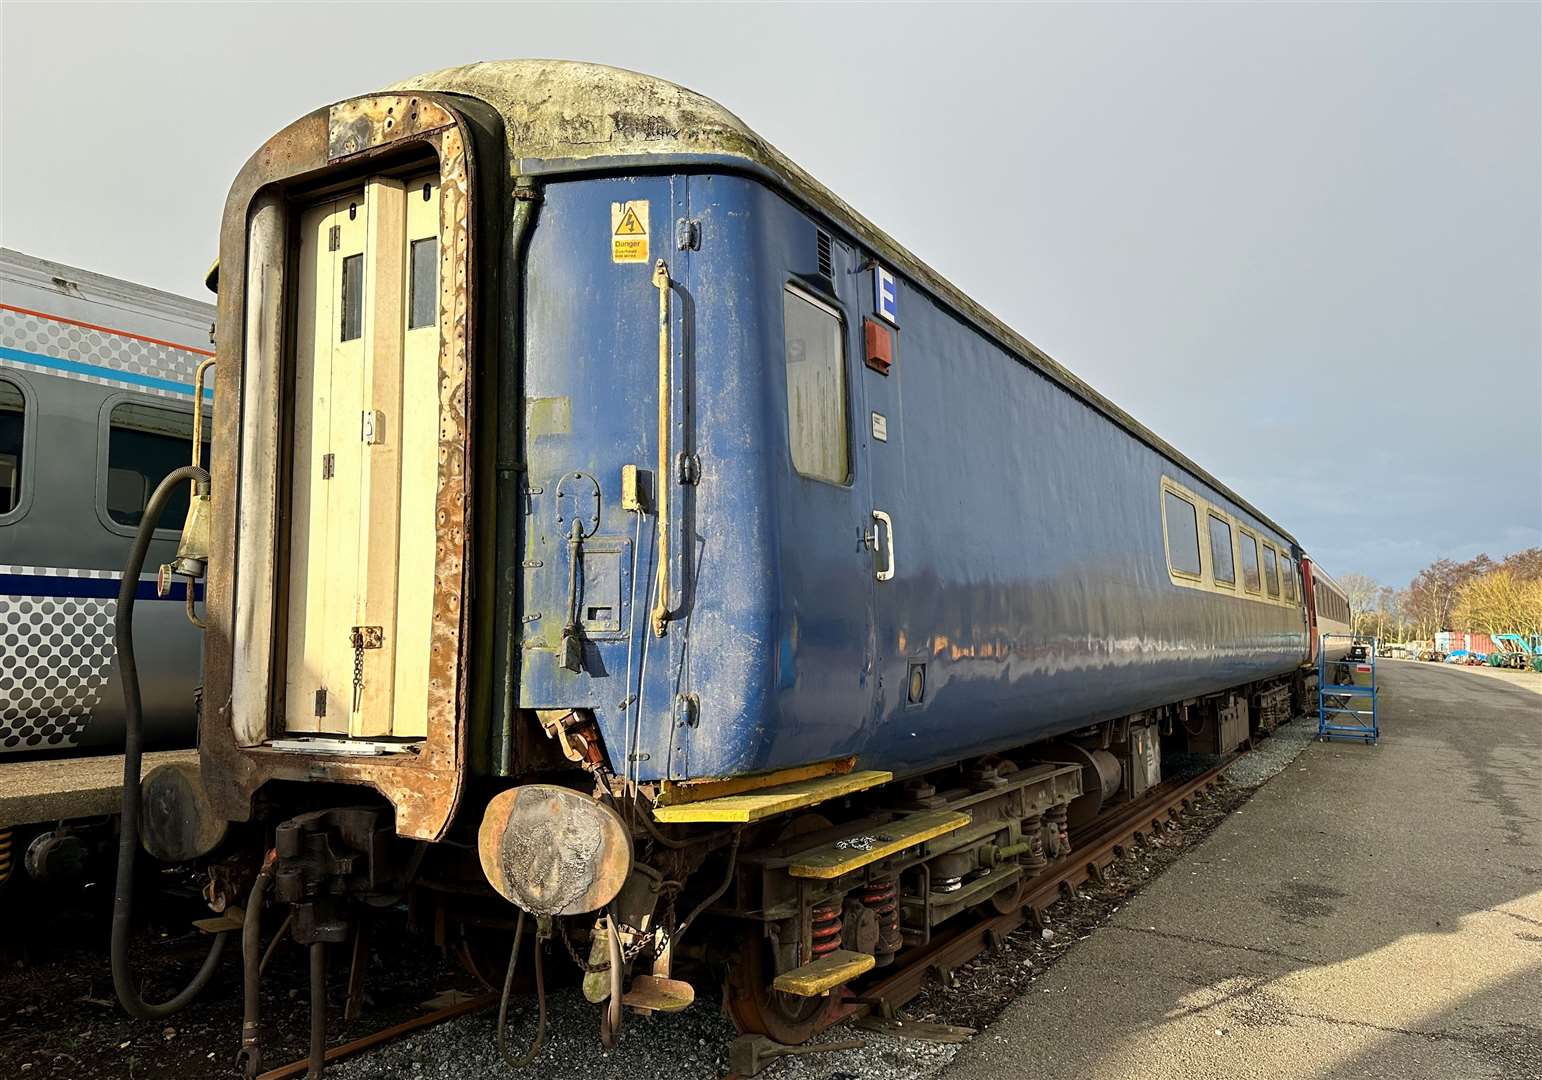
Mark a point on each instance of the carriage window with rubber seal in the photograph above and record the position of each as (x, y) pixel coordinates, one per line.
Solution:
(1288, 577)
(1222, 566)
(1271, 572)
(1248, 545)
(1182, 534)
(144, 443)
(816, 388)
(13, 425)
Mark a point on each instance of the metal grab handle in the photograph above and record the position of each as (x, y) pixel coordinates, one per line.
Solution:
(661, 483)
(887, 573)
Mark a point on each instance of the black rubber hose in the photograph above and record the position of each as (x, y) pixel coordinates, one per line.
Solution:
(250, 1058)
(133, 753)
(318, 1057)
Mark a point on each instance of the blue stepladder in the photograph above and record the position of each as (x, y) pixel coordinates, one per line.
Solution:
(1346, 691)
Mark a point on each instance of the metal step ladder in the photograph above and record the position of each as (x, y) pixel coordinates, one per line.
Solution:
(1346, 691)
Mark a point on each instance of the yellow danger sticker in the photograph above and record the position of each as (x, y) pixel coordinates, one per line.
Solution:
(629, 231)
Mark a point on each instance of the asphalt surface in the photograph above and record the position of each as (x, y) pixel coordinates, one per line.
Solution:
(1373, 911)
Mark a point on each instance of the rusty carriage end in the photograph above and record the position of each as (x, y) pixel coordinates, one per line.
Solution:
(251, 730)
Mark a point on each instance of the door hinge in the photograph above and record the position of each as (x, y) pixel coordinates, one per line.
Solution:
(688, 234)
(334, 238)
(328, 464)
(687, 468)
(321, 701)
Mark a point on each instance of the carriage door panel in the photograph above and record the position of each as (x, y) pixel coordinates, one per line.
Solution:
(361, 538)
(900, 654)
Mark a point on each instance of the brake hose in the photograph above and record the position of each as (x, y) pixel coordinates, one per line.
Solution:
(133, 751)
(540, 996)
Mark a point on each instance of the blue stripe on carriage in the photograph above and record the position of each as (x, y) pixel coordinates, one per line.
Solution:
(77, 367)
(99, 588)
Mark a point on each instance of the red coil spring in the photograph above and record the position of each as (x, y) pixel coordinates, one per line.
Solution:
(827, 928)
(882, 896)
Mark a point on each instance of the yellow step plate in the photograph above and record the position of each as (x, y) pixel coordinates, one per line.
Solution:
(754, 805)
(656, 994)
(825, 974)
(842, 856)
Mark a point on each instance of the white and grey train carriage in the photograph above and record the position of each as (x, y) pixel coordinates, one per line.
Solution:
(96, 407)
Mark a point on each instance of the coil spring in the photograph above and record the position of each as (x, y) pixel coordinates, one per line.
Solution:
(827, 927)
(1056, 816)
(5, 855)
(1033, 835)
(881, 896)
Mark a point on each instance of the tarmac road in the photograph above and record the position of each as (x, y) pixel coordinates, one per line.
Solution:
(1374, 911)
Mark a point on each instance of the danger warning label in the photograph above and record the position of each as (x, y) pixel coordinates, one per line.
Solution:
(629, 231)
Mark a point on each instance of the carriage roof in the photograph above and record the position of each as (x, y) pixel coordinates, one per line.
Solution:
(565, 116)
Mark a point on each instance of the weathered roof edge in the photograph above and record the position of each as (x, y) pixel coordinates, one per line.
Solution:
(549, 112)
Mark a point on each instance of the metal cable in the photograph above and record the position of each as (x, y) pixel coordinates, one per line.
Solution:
(631, 636)
(728, 877)
(540, 998)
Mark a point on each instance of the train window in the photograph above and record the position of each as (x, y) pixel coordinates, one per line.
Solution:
(1249, 548)
(144, 443)
(1222, 565)
(422, 290)
(13, 422)
(816, 389)
(1288, 577)
(353, 297)
(1182, 534)
(1271, 572)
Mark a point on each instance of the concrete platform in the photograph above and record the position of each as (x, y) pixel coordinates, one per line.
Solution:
(37, 791)
(1371, 912)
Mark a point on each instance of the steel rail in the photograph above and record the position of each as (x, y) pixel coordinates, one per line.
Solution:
(395, 1031)
(1093, 850)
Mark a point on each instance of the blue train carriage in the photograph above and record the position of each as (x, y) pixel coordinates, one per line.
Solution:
(96, 406)
(594, 488)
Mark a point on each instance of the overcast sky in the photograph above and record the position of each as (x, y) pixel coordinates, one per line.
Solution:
(1304, 243)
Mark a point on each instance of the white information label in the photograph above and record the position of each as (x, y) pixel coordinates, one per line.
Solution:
(880, 427)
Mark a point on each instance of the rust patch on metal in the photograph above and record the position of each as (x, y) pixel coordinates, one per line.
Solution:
(424, 787)
(366, 123)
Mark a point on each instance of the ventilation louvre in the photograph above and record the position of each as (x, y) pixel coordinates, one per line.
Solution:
(825, 266)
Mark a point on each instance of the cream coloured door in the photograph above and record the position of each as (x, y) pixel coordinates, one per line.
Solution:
(361, 538)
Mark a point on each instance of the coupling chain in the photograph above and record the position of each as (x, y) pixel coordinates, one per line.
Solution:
(639, 945)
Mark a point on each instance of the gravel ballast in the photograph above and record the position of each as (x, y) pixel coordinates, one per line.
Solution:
(693, 1045)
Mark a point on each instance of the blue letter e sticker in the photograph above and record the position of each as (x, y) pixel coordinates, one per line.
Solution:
(885, 295)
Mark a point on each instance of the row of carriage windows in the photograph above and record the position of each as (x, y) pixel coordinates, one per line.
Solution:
(144, 443)
(1330, 605)
(1266, 570)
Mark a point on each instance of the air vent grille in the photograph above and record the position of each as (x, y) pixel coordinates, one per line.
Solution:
(825, 266)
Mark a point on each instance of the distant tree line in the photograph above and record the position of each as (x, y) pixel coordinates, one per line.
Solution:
(1503, 597)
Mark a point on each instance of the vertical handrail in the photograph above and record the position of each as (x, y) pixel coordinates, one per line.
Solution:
(661, 485)
(203, 366)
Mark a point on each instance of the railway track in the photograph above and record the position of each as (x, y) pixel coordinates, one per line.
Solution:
(1093, 850)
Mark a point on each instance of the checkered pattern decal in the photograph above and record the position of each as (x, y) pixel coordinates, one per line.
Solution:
(80, 344)
(56, 655)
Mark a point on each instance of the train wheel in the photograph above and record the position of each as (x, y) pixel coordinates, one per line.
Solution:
(758, 1009)
(1013, 898)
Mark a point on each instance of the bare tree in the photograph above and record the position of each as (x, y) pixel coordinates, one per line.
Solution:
(1361, 590)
